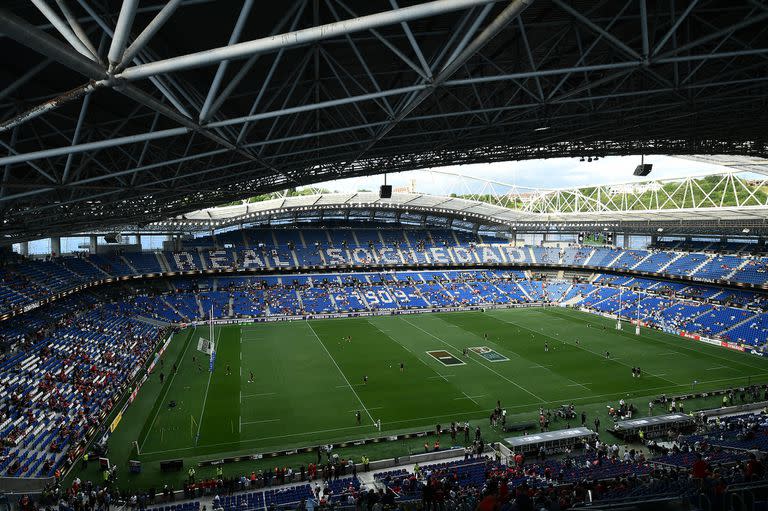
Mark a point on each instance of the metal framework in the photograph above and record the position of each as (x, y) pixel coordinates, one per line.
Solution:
(708, 195)
(126, 112)
(479, 213)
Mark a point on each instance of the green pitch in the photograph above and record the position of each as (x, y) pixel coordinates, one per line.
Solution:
(308, 379)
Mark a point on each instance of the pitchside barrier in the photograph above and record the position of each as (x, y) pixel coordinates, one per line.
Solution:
(350, 443)
(756, 407)
(696, 395)
(362, 314)
(24, 485)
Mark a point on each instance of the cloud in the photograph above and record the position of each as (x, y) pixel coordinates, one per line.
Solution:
(550, 173)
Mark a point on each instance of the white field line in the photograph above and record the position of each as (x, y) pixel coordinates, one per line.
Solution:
(342, 373)
(170, 384)
(480, 363)
(575, 399)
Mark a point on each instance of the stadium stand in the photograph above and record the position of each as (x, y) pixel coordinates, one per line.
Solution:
(30, 280)
(79, 342)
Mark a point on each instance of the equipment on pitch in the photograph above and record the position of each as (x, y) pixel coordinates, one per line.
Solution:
(209, 345)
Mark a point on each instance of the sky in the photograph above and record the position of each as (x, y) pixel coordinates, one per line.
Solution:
(551, 173)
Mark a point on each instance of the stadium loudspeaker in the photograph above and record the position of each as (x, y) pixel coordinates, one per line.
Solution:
(385, 192)
(643, 169)
(171, 465)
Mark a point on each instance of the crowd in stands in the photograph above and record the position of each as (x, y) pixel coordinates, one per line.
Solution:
(63, 379)
(705, 464)
(721, 455)
(72, 358)
(29, 281)
(737, 316)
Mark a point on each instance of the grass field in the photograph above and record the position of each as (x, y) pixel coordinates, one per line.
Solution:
(308, 380)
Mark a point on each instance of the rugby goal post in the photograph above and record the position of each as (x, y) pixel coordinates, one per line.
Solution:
(208, 346)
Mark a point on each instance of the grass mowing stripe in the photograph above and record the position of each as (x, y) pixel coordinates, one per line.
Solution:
(471, 415)
(502, 349)
(470, 358)
(658, 341)
(202, 411)
(342, 373)
(438, 375)
(159, 403)
(208, 386)
(579, 346)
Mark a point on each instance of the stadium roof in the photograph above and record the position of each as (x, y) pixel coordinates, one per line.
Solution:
(114, 112)
(467, 214)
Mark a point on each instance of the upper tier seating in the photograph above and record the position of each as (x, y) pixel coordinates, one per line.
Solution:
(32, 280)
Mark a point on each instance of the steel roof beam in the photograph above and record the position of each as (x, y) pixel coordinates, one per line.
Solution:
(76, 136)
(76, 28)
(615, 41)
(673, 29)
(295, 12)
(122, 32)
(148, 33)
(64, 30)
(233, 38)
(299, 37)
(364, 97)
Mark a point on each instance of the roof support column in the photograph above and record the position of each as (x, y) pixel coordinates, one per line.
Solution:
(56, 246)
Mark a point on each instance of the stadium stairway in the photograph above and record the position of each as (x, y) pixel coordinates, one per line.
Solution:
(736, 326)
(524, 292)
(163, 261)
(332, 299)
(301, 302)
(170, 306)
(641, 261)
(589, 257)
(707, 259)
(613, 261)
(576, 299)
(736, 270)
(678, 255)
(405, 237)
(98, 269)
(126, 262)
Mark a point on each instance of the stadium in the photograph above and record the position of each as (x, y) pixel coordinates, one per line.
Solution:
(446, 254)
